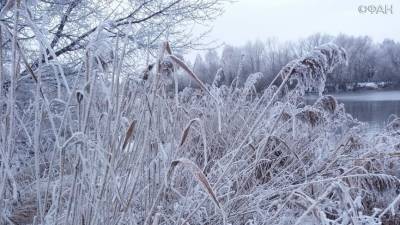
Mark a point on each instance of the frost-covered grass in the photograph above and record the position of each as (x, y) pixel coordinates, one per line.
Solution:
(103, 149)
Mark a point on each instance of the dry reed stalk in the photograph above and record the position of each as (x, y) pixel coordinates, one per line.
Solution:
(197, 174)
(10, 109)
(203, 134)
(315, 203)
(36, 137)
(186, 131)
(190, 72)
(180, 63)
(129, 134)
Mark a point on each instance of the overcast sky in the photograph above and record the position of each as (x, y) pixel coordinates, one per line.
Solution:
(293, 19)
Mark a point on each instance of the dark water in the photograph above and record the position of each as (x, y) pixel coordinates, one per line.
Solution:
(373, 107)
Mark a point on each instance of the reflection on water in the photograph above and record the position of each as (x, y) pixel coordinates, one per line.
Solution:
(373, 107)
(376, 113)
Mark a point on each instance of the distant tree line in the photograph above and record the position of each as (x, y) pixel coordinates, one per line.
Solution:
(368, 61)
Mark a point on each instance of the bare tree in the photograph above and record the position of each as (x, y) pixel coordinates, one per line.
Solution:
(68, 24)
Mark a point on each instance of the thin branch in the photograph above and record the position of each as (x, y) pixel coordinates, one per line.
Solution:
(63, 21)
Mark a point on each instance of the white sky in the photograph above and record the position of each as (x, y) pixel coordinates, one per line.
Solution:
(293, 19)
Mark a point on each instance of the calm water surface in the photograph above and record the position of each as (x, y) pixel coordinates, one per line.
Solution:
(373, 107)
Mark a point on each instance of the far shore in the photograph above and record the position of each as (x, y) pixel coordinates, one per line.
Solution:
(362, 86)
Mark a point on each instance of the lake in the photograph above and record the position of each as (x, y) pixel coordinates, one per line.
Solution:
(373, 107)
